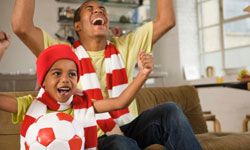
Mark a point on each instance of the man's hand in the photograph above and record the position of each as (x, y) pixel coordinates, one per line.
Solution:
(145, 63)
(4, 41)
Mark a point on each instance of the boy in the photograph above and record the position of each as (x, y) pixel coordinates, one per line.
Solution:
(58, 71)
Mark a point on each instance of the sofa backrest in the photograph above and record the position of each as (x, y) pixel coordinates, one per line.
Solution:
(185, 96)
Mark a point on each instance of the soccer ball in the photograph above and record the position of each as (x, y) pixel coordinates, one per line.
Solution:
(55, 131)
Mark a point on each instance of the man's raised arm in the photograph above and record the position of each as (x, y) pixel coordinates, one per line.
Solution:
(165, 19)
(23, 26)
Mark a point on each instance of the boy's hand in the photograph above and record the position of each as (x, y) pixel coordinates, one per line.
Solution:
(4, 41)
(145, 63)
(78, 92)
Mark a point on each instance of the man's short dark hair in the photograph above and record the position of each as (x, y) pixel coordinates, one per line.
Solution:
(78, 11)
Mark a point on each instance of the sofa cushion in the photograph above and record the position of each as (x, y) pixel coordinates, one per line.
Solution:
(218, 141)
(185, 96)
(224, 141)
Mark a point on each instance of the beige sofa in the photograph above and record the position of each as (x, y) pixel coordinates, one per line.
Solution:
(185, 96)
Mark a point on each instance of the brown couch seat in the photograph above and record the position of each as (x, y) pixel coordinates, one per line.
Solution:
(224, 141)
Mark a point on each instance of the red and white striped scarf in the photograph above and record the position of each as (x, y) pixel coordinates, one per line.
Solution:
(116, 78)
(83, 113)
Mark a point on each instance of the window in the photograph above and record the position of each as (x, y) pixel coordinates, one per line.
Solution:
(224, 34)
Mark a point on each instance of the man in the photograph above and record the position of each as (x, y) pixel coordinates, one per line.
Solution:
(164, 124)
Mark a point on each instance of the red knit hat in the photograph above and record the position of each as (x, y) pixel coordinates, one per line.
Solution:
(52, 54)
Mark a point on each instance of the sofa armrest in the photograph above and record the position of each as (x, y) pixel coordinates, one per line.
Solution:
(209, 117)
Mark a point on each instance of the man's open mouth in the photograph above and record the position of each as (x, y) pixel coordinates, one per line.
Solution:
(98, 21)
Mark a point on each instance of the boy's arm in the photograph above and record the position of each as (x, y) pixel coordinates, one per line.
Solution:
(23, 26)
(127, 96)
(8, 103)
(165, 19)
(124, 99)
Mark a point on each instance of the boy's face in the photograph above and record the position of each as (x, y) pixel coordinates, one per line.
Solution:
(61, 80)
(93, 20)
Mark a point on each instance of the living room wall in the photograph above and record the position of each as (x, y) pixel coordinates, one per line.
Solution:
(171, 52)
(179, 47)
(18, 59)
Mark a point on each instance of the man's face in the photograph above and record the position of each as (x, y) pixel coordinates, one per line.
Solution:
(93, 20)
(61, 80)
